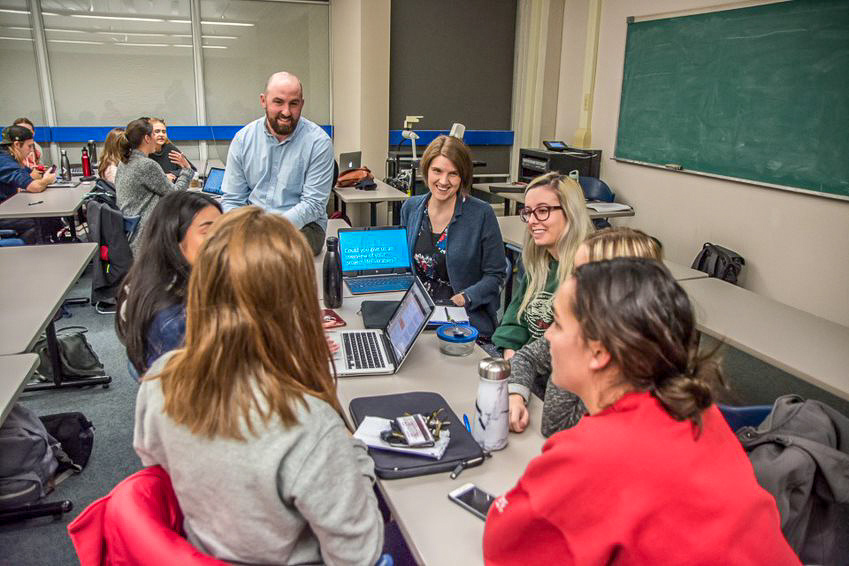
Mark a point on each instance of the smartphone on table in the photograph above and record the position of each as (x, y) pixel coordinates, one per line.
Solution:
(473, 499)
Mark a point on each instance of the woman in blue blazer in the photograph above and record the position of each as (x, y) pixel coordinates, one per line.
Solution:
(454, 239)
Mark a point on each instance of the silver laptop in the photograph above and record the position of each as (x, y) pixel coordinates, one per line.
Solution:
(350, 160)
(382, 351)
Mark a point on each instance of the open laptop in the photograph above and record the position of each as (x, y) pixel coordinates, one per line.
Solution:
(382, 351)
(350, 160)
(212, 183)
(375, 259)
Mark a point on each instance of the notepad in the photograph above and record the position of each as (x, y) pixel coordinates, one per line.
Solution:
(608, 206)
(448, 315)
(371, 427)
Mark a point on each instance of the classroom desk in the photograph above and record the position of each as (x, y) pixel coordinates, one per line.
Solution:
(37, 279)
(437, 530)
(515, 193)
(383, 193)
(15, 371)
(682, 272)
(807, 346)
(50, 203)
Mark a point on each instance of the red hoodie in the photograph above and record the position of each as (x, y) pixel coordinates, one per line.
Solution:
(631, 485)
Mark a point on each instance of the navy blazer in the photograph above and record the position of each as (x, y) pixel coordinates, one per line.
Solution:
(474, 255)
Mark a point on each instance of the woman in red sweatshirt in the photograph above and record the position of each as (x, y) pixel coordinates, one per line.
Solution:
(653, 474)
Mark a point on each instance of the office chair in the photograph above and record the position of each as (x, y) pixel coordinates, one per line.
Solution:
(596, 190)
(8, 238)
(738, 417)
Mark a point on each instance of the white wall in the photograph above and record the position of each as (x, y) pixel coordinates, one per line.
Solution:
(796, 246)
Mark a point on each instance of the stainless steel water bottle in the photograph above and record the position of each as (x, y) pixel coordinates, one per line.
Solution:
(332, 275)
(491, 407)
(66, 166)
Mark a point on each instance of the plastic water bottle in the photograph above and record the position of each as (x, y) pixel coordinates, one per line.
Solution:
(86, 164)
(491, 407)
(66, 166)
(332, 275)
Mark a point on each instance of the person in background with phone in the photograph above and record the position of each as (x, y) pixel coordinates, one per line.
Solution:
(653, 474)
(245, 418)
(556, 214)
(531, 366)
(33, 159)
(456, 245)
(166, 154)
(152, 303)
(108, 165)
(15, 145)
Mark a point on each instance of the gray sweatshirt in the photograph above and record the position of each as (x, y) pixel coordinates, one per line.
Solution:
(287, 495)
(139, 184)
(531, 365)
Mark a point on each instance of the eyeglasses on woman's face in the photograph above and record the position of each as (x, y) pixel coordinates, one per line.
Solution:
(541, 213)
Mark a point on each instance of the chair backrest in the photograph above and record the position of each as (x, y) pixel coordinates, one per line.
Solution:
(596, 189)
(139, 522)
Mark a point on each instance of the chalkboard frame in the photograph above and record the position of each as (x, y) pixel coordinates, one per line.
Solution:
(676, 168)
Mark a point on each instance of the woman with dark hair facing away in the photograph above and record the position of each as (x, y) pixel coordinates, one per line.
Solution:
(166, 154)
(653, 474)
(139, 181)
(111, 157)
(457, 249)
(245, 418)
(152, 302)
(15, 145)
(556, 214)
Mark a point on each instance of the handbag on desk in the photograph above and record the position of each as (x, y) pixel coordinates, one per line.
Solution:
(351, 177)
(719, 262)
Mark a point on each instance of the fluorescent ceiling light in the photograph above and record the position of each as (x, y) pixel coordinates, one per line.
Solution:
(74, 41)
(17, 38)
(10, 11)
(49, 14)
(23, 28)
(140, 34)
(202, 36)
(143, 44)
(122, 18)
(204, 46)
(221, 23)
(180, 21)
(57, 30)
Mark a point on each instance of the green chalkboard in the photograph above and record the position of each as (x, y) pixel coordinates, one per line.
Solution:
(759, 93)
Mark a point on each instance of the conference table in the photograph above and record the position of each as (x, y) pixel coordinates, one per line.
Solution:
(37, 278)
(53, 202)
(382, 193)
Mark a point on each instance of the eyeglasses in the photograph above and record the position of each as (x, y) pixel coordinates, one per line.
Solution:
(541, 213)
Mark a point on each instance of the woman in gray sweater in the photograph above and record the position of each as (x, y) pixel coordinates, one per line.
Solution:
(140, 181)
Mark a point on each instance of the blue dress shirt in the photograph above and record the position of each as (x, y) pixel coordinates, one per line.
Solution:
(14, 176)
(291, 177)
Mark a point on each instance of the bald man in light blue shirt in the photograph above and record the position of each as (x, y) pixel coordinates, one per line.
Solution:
(282, 162)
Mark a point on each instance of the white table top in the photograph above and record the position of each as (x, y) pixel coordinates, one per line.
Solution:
(437, 530)
(383, 193)
(682, 272)
(52, 202)
(15, 371)
(36, 279)
(807, 346)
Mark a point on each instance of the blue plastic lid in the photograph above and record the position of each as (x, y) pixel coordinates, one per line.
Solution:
(458, 333)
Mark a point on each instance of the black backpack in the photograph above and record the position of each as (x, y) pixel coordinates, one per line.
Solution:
(719, 262)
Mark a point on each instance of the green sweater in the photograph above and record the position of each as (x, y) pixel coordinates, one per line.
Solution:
(513, 332)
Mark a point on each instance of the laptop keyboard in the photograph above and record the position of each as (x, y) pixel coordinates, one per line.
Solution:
(382, 284)
(362, 350)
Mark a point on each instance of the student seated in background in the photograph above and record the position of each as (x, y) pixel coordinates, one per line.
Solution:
(15, 145)
(556, 214)
(111, 156)
(166, 154)
(457, 249)
(33, 158)
(151, 316)
(245, 418)
(139, 181)
(653, 474)
(532, 363)
(282, 162)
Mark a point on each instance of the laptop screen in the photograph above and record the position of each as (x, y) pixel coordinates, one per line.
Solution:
(362, 250)
(409, 319)
(213, 181)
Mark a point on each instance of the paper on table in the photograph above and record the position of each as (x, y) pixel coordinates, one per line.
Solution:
(371, 427)
(447, 315)
(608, 206)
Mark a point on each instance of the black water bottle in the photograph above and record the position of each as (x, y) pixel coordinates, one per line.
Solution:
(66, 166)
(332, 275)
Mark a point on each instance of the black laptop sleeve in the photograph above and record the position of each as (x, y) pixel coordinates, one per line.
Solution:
(390, 465)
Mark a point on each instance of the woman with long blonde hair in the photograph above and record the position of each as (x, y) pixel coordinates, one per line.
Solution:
(245, 418)
(111, 157)
(556, 213)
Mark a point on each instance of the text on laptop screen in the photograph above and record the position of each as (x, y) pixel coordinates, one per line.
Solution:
(373, 249)
(405, 324)
(213, 181)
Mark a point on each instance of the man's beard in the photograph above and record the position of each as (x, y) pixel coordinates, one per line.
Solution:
(283, 129)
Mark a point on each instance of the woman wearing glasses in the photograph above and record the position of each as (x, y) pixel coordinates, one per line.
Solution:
(456, 244)
(558, 222)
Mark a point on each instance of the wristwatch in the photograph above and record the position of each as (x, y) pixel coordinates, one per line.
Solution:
(465, 299)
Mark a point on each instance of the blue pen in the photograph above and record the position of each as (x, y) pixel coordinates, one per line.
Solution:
(466, 422)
